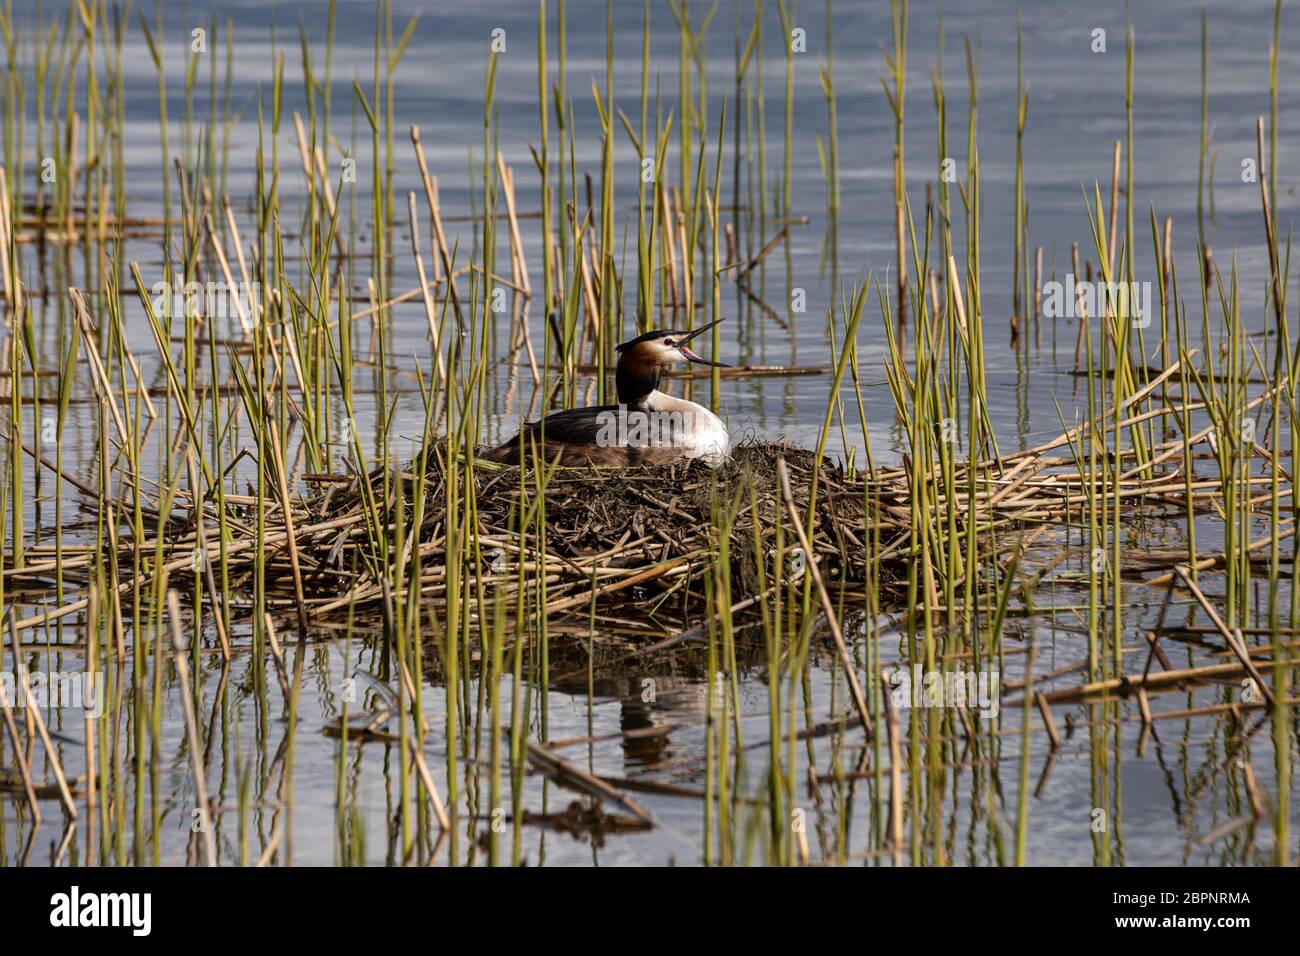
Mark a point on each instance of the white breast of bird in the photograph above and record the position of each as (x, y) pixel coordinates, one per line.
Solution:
(701, 433)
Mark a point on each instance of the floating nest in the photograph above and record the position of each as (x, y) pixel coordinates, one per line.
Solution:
(654, 549)
(644, 551)
(652, 538)
(624, 519)
(631, 535)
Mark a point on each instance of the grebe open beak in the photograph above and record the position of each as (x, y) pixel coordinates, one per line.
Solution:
(681, 347)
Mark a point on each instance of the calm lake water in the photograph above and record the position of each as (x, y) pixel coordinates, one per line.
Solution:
(1164, 795)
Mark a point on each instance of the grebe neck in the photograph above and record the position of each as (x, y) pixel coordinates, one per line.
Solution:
(635, 379)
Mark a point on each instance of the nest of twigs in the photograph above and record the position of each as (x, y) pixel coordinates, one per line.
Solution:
(629, 521)
(655, 546)
(623, 537)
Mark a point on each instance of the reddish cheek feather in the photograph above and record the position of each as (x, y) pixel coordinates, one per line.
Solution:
(644, 365)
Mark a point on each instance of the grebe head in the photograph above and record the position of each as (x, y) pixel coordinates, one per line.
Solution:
(667, 347)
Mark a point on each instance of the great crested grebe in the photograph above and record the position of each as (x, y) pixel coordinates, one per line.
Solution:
(646, 427)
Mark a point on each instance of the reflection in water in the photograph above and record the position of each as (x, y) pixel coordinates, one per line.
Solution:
(640, 710)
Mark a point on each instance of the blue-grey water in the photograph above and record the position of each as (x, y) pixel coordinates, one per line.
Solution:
(1163, 795)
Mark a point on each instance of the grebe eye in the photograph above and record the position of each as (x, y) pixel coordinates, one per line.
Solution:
(669, 342)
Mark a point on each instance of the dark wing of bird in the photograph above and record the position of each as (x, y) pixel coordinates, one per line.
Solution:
(574, 427)
(574, 437)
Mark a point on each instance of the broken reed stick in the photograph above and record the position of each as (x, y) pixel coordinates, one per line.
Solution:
(1270, 237)
(427, 781)
(277, 655)
(1234, 642)
(406, 296)
(430, 310)
(20, 751)
(516, 242)
(1048, 722)
(563, 771)
(431, 197)
(215, 242)
(1156, 681)
(233, 226)
(755, 262)
(850, 669)
(1252, 790)
(1144, 705)
(330, 205)
(35, 717)
(102, 385)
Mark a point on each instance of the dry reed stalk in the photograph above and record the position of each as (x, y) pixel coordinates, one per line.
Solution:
(430, 309)
(215, 242)
(102, 384)
(435, 215)
(192, 729)
(563, 771)
(34, 716)
(832, 621)
(1231, 637)
(518, 264)
(1046, 713)
(20, 756)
